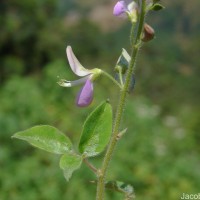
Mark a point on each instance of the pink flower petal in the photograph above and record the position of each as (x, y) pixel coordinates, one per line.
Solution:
(85, 96)
(75, 65)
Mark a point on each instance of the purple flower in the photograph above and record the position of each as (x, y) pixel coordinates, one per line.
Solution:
(85, 95)
(126, 7)
(120, 8)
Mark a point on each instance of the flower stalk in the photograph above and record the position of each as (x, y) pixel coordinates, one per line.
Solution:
(121, 105)
(112, 79)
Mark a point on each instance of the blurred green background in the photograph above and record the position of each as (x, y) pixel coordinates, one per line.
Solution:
(159, 155)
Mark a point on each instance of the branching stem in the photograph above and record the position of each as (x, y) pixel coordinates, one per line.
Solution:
(121, 106)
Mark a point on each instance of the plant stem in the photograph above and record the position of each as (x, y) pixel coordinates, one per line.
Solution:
(120, 107)
(120, 77)
(90, 165)
(112, 79)
(132, 33)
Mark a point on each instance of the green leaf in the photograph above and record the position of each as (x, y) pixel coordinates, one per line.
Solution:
(121, 187)
(96, 130)
(69, 163)
(157, 7)
(47, 138)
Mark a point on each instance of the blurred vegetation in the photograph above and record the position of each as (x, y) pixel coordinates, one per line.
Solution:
(159, 155)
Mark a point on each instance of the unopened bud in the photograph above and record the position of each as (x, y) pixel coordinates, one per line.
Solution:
(123, 62)
(148, 33)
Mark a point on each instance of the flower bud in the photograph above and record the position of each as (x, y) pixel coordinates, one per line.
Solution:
(126, 8)
(123, 62)
(148, 33)
(132, 82)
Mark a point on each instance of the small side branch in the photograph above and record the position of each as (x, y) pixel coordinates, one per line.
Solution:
(94, 169)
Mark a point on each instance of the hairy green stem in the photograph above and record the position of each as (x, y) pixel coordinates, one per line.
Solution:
(120, 107)
(132, 33)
